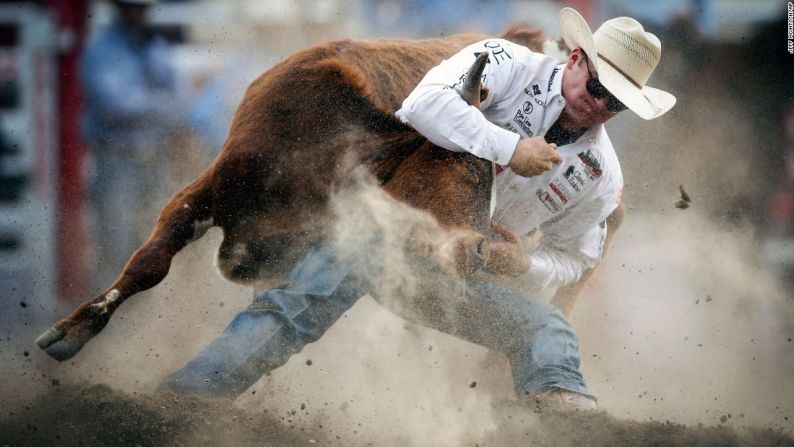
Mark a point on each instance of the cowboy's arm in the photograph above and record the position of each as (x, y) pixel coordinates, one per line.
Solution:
(565, 297)
(436, 110)
(572, 243)
(556, 262)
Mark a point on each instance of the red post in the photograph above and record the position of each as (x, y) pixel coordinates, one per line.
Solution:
(71, 236)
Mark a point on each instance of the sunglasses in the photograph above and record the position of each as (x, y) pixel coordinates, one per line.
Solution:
(598, 91)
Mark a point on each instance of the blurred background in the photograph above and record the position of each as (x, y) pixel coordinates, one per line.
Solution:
(83, 172)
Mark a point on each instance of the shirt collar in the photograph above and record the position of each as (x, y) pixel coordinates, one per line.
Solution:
(555, 103)
(554, 86)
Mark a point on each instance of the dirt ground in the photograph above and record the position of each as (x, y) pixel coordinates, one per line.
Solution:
(97, 415)
(684, 340)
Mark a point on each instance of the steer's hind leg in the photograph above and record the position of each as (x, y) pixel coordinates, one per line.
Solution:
(185, 218)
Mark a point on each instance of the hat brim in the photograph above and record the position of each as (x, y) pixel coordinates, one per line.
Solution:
(647, 102)
(576, 33)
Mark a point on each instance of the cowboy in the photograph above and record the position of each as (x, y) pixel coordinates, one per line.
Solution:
(542, 124)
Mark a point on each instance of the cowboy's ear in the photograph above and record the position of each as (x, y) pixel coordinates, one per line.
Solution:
(573, 58)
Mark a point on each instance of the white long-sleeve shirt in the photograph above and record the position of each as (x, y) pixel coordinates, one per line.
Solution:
(569, 203)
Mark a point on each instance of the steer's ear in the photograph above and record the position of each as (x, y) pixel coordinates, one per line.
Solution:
(471, 89)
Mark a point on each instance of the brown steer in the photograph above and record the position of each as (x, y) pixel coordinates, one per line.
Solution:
(301, 129)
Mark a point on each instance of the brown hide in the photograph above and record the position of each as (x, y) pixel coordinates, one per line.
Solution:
(304, 123)
(301, 129)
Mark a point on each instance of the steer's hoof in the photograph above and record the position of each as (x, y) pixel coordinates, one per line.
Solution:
(58, 345)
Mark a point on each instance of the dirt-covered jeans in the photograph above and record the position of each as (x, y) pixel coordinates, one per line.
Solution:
(540, 344)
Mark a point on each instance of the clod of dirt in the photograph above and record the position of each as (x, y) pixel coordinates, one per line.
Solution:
(684, 201)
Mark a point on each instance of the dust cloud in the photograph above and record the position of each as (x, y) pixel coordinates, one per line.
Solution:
(684, 324)
(685, 339)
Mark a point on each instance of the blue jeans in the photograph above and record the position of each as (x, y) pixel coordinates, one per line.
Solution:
(540, 344)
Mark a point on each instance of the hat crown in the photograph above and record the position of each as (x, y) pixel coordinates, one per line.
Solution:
(626, 46)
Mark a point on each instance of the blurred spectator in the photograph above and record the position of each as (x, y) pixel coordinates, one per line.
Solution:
(132, 108)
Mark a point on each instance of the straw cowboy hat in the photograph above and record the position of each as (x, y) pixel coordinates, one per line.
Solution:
(624, 55)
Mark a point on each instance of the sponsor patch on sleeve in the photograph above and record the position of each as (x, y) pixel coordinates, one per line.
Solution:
(549, 201)
(591, 164)
(573, 175)
(581, 172)
(561, 189)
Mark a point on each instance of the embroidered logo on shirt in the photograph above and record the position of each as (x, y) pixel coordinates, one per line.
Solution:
(523, 122)
(574, 177)
(557, 188)
(498, 53)
(528, 91)
(548, 200)
(551, 79)
(528, 107)
(591, 163)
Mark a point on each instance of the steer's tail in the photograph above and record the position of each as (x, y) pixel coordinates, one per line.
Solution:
(185, 218)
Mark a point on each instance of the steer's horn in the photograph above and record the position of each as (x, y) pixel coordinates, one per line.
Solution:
(470, 91)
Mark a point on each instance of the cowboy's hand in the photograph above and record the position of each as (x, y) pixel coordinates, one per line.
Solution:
(509, 257)
(534, 156)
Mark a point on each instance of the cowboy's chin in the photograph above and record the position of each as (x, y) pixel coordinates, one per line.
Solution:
(582, 115)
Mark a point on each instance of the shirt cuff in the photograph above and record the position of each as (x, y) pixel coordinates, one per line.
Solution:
(501, 143)
(539, 274)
